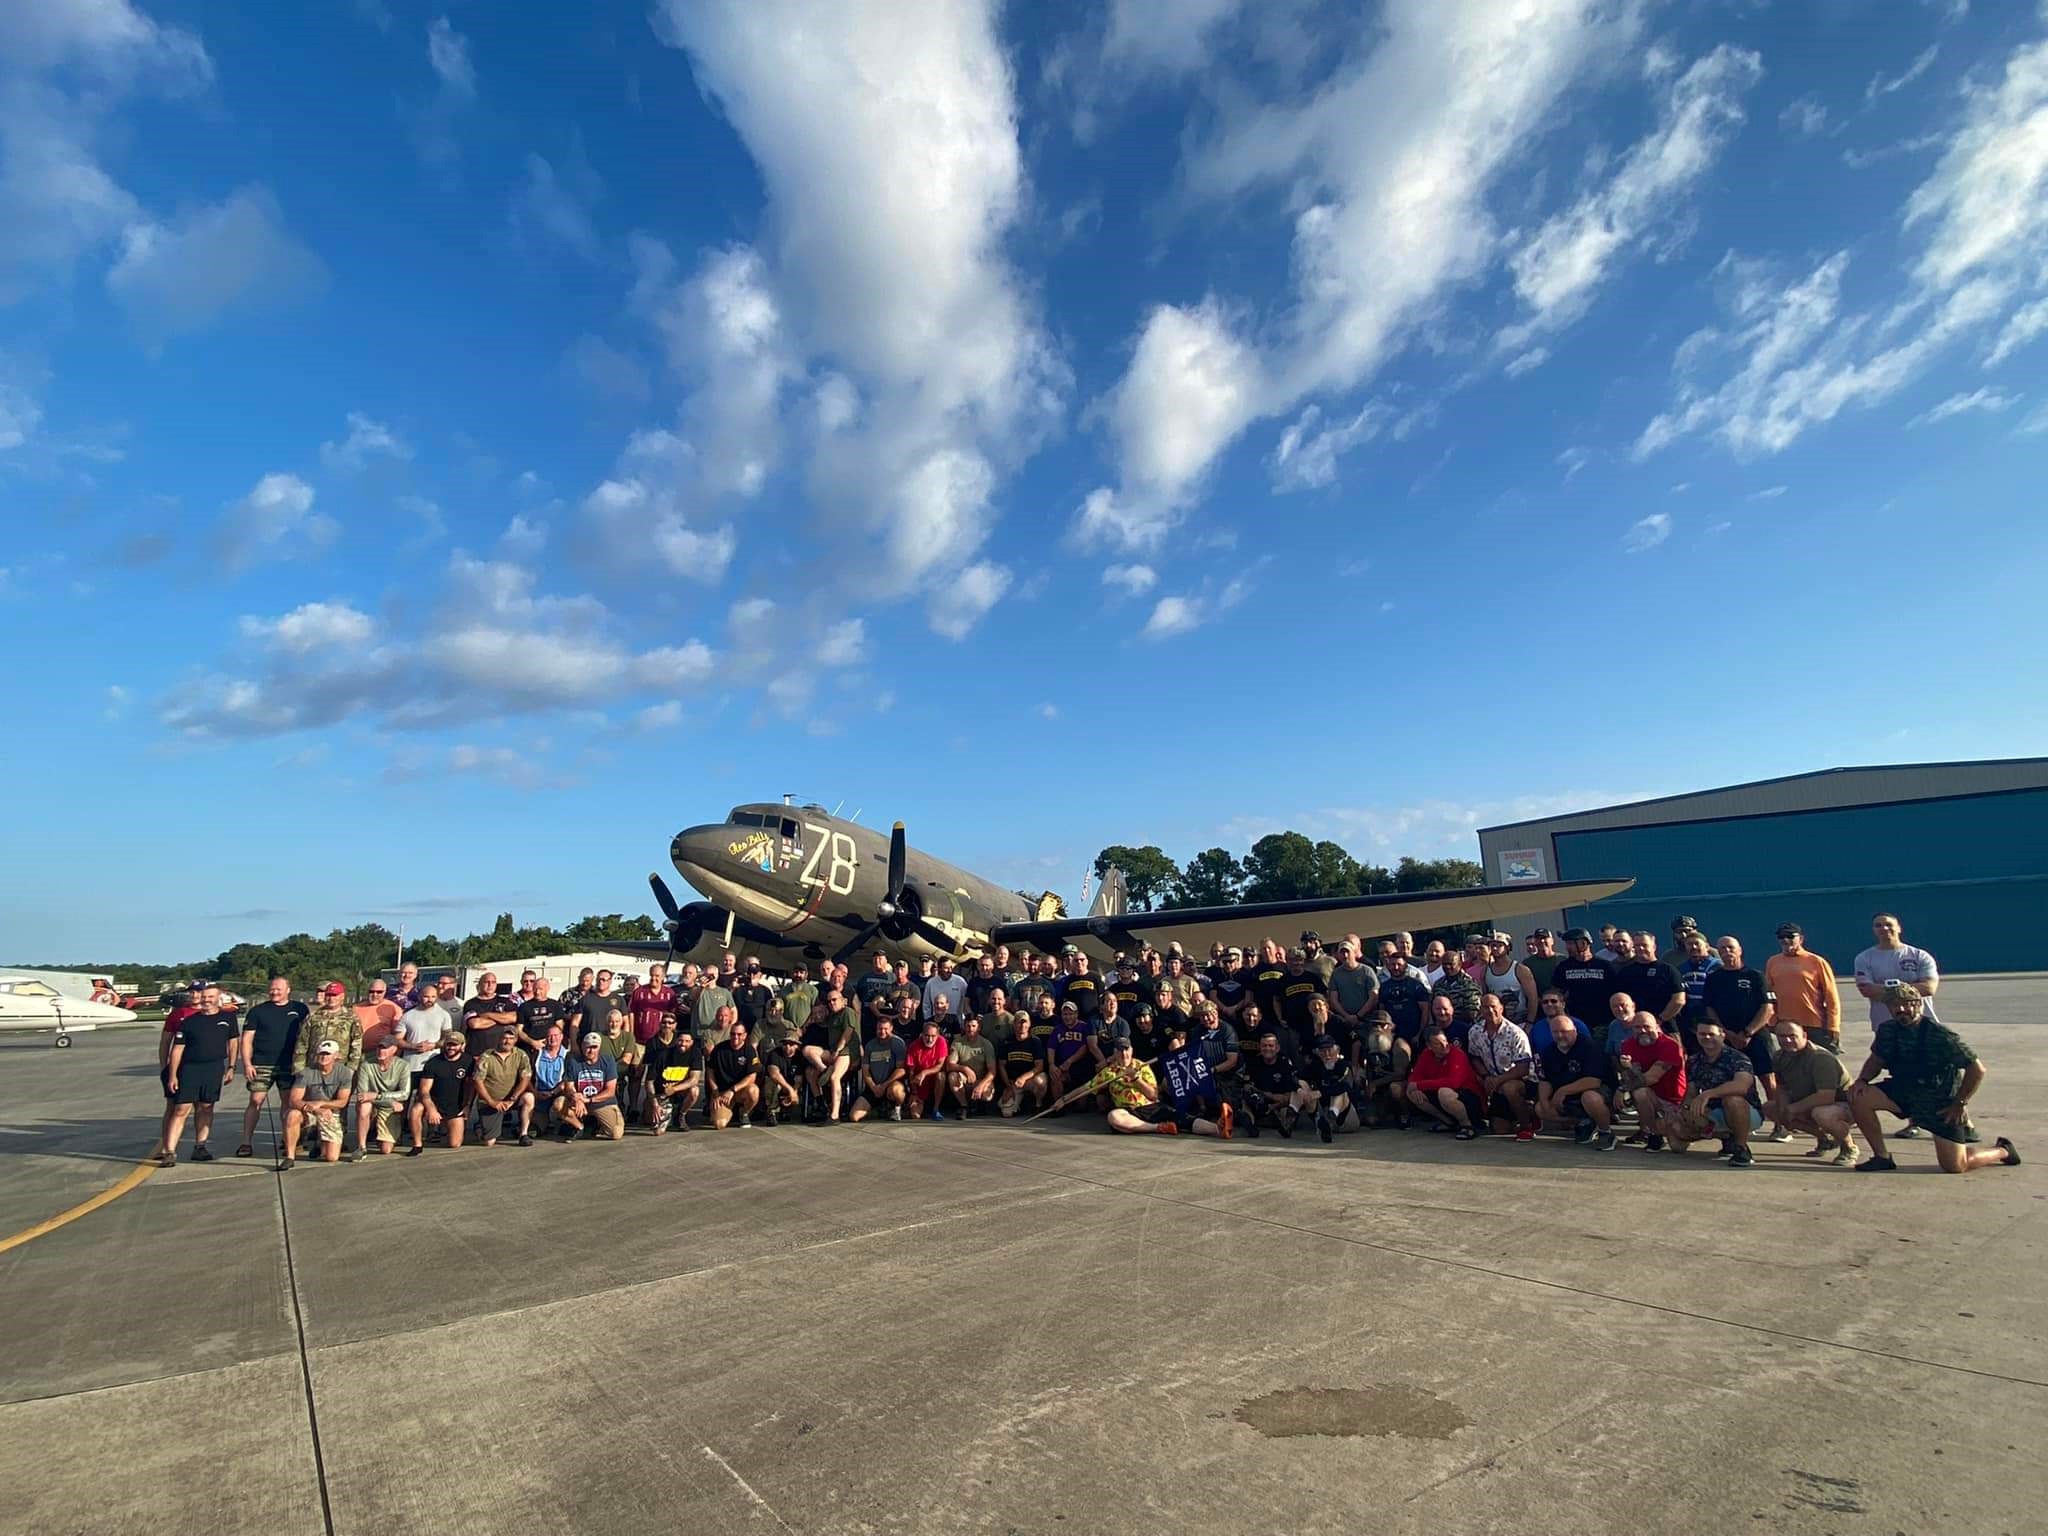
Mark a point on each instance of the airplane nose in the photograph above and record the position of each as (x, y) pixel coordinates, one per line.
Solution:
(698, 847)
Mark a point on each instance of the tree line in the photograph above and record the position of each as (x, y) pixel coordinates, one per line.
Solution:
(1282, 866)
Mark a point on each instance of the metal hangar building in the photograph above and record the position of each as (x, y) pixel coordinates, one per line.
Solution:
(1958, 850)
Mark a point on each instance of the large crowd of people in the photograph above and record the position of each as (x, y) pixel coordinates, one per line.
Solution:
(1606, 1044)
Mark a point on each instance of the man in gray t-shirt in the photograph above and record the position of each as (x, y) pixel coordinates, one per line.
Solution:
(319, 1097)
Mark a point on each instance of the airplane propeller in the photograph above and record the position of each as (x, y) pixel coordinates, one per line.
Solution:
(676, 921)
(900, 913)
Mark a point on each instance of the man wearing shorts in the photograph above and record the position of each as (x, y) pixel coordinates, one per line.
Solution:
(735, 1079)
(441, 1093)
(782, 1079)
(503, 1082)
(1812, 1089)
(270, 1042)
(1721, 1099)
(1277, 1091)
(1381, 1093)
(1443, 1085)
(1573, 1083)
(971, 1067)
(590, 1094)
(1500, 1052)
(319, 1096)
(675, 1077)
(883, 1061)
(1022, 1068)
(831, 1045)
(1652, 1068)
(200, 1064)
(1739, 1000)
(924, 1082)
(1932, 1076)
(1190, 1089)
(1133, 1094)
(1327, 1086)
(382, 1085)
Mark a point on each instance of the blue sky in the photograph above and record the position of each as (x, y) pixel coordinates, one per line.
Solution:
(444, 450)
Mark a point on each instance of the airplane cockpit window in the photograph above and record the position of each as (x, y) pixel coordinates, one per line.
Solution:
(28, 988)
(740, 818)
(789, 829)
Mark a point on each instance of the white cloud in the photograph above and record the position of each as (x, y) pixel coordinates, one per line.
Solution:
(1988, 198)
(1989, 402)
(524, 538)
(1805, 117)
(961, 601)
(1881, 85)
(890, 210)
(1526, 362)
(1306, 456)
(1169, 35)
(313, 627)
(844, 644)
(117, 702)
(629, 520)
(275, 521)
(1769, 493)
(1560, 268)
(20, 414)
(1388, 165)
(67, 67)
(660, 717)
(1172, 616)
(2036, 422)
(553, 207)
(1572, 460)
(1048, 711)
(448, 53)
(2027, 322)
(178, 277)
(366, 439)
(1134, 579)
(1646, 533)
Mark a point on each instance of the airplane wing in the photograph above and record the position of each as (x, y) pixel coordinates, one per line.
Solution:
(1101, 935)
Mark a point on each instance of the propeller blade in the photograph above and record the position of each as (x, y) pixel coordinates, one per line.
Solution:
(898, 859)
(853, 945)
(663, 899)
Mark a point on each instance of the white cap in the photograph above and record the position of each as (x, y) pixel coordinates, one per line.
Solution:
(593, 1038)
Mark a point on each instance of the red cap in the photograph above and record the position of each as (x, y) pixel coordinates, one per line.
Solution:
(334, 989)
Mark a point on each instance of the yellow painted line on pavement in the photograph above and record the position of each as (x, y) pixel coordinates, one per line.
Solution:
(83, 1208)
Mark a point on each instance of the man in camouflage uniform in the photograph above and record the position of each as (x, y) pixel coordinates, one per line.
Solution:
(1464, 992)
(1932, 1076)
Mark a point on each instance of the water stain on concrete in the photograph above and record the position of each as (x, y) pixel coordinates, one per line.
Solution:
(1395, 1409)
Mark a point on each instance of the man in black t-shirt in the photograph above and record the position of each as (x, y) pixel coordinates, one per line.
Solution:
(1167, 1011)
(441, 1095)
(1227, 989)
(488, 1014)
(270, 1038)
(536, 1013)
(1300, 984)
(872, 990)
(1586, 980)
(1327, 1084)
(752, 997)
(596, 1009)
(1737, 997)
(675, 1077)
(735, 1080)
(201, 1062)
(1654, 984)
(1128, 991)
(1573, 1083)
(1266, 981)
(1275, 1085)
(1020, 1064)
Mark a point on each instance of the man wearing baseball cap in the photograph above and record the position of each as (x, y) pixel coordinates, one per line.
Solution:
(590, 1093)
(331, 1019)
(382, 1085)
(319, 1095)
(1802, 986)
(441, 1093)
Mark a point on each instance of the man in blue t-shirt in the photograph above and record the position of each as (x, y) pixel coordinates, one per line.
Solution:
(1189, 1088)
(1572, 1081)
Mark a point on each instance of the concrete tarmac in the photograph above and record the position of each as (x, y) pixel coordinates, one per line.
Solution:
(988, 1327)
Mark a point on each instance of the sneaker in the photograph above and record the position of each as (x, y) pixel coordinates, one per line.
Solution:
(1741, 1157)
(1224, 1117)
(1907, 1134)
(740, 1122)
(525, 1140)
(1636, 1140)
(1779, 1133)
(773, 1117)
(1525, 1133)
(566, 1134)
(412, 1151)
(165, 1159)
(1325, 1126)
(895, 1111)
(354, 1157)
(1167, 1128)
(1727, 1148)
(1464, 1133)
(1582, 1132)
(1876, 1165)
(1845, 1154)
(938, 1113)
(287, 1165)
(1653, 1143)
(1605, 1142)
(200, 1154)
(2012, 1153)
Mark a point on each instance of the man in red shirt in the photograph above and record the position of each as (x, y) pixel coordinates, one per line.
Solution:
(925, 1072)
(1653, 1071)
(1443, 1085)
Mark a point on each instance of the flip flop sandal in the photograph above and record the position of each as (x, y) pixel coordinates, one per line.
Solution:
(245, 1150)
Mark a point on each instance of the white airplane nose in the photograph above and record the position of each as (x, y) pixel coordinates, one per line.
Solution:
(95, 1013)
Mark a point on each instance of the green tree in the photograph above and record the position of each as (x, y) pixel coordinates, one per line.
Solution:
(1280, 866)
(1437, 874)
(1212, 878)
(1336, 872)
(1148, 873)
(610, 928)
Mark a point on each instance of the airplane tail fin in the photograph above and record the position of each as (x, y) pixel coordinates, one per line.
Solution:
(1110, 901)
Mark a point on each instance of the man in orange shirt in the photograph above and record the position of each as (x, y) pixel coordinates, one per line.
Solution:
(1804, 985)
(377, 1014)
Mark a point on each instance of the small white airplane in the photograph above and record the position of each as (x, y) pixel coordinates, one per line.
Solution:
(26, 1003)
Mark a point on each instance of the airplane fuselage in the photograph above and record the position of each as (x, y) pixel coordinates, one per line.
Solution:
(815, 880)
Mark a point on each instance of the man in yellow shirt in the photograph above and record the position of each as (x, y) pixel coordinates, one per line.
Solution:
(1133, 1093)
(1804, 985)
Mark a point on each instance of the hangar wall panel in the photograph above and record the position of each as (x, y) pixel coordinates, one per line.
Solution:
(1968, 877)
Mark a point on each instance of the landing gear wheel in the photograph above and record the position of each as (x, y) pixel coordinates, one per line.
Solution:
(63, 1042)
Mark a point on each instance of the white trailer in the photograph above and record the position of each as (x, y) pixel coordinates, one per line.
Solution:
(560, 970)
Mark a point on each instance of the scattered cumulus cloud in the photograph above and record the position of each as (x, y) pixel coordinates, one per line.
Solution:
(275, 521)
(845, 644)
(366, 439)
(552, 208)
(2027, 323)
(1172, 616)
(1769, 493)
(1134, 579)
(448, 53)
(963, 601)
(1805, 117)
(178, 276)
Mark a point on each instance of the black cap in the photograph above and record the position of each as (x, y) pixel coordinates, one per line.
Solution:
(1791, 931)
(1146, 1011)
(1577, 936)
(1685, 924)
(1310, 936)
(1541, 933)
(1323, 1040)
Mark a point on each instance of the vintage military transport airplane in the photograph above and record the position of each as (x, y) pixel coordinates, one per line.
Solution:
(788, 882)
